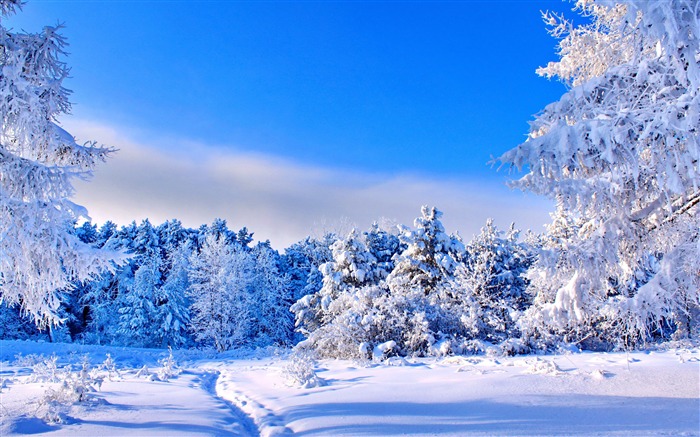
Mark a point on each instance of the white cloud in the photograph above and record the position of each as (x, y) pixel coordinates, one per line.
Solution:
(278, 199)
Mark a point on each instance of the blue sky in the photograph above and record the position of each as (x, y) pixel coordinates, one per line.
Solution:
(366, 97)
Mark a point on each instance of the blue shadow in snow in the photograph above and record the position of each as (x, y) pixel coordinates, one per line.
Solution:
(527, 415)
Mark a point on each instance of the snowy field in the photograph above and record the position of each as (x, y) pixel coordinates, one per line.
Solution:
(140, 393)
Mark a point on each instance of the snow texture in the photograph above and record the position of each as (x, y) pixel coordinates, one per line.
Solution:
(245, 393)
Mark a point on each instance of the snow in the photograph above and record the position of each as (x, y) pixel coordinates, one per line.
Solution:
(577, 394)
(247, 393)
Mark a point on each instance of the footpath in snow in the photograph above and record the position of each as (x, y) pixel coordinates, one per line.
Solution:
(132, 397)
(578, 394)
(642, 393)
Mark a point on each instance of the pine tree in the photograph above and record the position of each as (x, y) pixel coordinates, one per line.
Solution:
(137, 306)
(302, 261)
(136, 301)
(422, 271)
(172, 305)
(489, 290)
(430, 257)
(356, 309)
(352, 267)
(384, 246)
(172, 235)
(106, 231)
(40, 255)
(87, 232)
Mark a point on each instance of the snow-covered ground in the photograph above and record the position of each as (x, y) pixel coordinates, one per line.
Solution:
(643, 393)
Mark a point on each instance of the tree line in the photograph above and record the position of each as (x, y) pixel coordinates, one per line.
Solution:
(618, 153)
(411, 290)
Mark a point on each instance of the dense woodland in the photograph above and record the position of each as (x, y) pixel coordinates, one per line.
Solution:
(409, 290)
(616, 268)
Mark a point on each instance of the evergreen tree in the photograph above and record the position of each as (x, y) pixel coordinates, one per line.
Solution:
(137, 297)
(489, 290)
(352, 266)
(106, 231)
(356, 310)
(172, 305)
(271, 297)
(243, 237)
(302, 261)
(430, 257)
(422, 271)
(172, 235)
(87, 232)
(331, 318)
(16, 326)
(385, 247)
(137, 310)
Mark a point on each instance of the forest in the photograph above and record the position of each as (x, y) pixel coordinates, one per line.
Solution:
(410, 291)
(617, 268)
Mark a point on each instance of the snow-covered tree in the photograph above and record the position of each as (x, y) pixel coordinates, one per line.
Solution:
(106, 231)
(137, 302)
(302, 261)
(220, 277)
(352, 267)
(420, 274)
(104, 295)
(430, 257)
(172, 235)
(356, 309)
(15, 326)
(137, 306)
(87, 232)
(172, 306)
(40, 255)
(384, 246)
(489, 289)
(619, 154)
(272, 297)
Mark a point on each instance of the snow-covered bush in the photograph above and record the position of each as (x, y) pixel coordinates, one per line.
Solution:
(68, 388)
(299, 370)
(168, 367)
(28, 360)
(46, 370)
(109, 366)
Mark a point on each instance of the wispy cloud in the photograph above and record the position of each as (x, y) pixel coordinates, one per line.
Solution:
(277, 199)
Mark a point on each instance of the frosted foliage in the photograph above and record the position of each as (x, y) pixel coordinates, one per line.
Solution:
(354, 312)
(588, 51)
(430, 256)
(173, 313)
(619, 153)
(384, 246)
(220, 278)
(352, 267)
(138, 313)
(271, 299)
(39, 255)
(488, 291)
